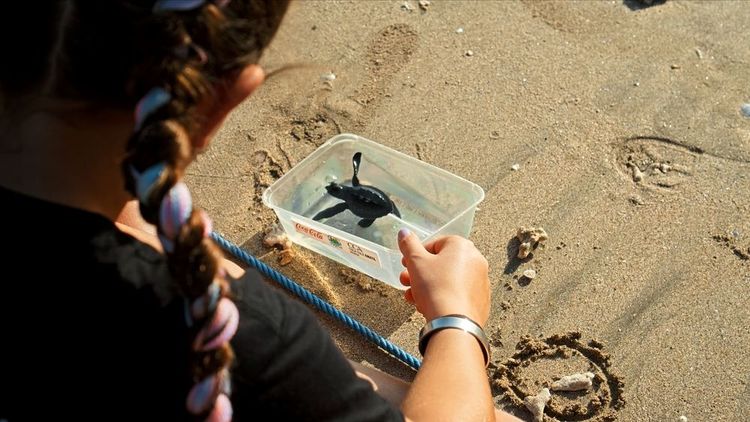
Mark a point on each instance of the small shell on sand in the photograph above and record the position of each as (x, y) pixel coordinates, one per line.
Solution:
(530, 239)
(328, 77)
(745, 109)
(530, 274)
(536, 404)
(515, 167)
(575, 382)
(469, 53)
(276, 238)
(405, 6)
(424, 4)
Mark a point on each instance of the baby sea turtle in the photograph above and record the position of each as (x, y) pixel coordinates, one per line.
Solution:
(364, 201)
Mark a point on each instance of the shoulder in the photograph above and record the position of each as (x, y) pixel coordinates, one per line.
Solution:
(271, 322)
(264, 305)
(136, 265)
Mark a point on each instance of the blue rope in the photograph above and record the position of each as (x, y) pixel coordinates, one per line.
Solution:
(315, 301)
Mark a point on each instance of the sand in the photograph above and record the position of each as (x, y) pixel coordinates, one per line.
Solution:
(625, 129)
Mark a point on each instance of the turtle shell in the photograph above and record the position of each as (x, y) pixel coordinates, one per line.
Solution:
(368, 201)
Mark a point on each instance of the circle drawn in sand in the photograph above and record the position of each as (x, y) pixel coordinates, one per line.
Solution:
(538, 362)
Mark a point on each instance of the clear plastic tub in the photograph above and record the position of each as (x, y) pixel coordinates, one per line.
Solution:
(432, 202)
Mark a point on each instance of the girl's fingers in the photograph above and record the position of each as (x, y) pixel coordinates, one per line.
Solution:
(408, 296)
(404, 278)
(435, 246)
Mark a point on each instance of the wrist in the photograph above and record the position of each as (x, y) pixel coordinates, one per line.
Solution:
(455, 306)
(459, 322)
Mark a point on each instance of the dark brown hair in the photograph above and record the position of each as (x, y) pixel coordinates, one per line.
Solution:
(112, 53)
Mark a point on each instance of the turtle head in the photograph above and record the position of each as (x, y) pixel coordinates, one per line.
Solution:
(335, 190)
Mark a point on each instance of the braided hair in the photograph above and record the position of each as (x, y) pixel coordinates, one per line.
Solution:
(164, 58)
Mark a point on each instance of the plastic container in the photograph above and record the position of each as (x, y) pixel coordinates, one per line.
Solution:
(432, 202)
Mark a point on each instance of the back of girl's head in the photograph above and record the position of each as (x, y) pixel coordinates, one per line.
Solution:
(108, 50)
(160, 58)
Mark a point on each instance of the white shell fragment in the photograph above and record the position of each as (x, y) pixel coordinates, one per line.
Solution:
(515, 167)
(575, 382)
(328, 77)
(530, 274)
(683, 418)
(469, 53)
(459, 31)
(745, 108)
(424, 4)
(536, 404)
(406, 6)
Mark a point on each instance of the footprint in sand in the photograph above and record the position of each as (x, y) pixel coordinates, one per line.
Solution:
(388, 52)
(333, 111)
(266, 170)
(656, 163)
(538, 362)
(314, 130)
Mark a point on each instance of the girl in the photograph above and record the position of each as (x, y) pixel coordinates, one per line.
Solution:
(105, 101)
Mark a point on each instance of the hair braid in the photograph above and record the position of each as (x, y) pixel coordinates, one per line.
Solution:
(157, 155)
(159, 150)
(168, 56)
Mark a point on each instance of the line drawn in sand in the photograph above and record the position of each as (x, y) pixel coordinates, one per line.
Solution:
(537, 363)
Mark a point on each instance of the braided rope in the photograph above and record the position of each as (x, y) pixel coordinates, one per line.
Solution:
(315, 301)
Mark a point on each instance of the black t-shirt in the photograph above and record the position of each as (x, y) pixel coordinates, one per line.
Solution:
(93, 329)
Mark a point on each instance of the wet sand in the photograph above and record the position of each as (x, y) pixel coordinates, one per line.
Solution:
(631, 151)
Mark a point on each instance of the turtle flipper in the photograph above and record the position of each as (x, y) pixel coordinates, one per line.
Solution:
(356, 159)
(394, 210)
(331, 211)
(366, 222)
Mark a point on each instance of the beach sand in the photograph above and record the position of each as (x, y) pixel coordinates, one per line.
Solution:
(632, 154)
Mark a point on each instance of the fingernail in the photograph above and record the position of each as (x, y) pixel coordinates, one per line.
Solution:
(403, 233)
(259, 74)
